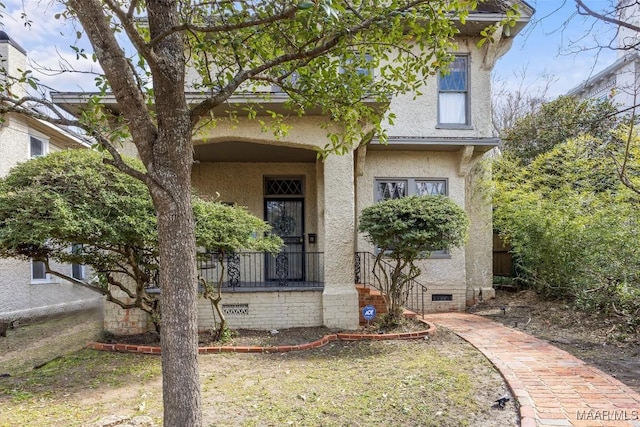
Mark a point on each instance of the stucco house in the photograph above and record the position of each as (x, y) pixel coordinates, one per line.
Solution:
(25, 289)
(434, 147)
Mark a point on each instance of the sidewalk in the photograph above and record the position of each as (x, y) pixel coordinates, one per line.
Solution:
(552, 387)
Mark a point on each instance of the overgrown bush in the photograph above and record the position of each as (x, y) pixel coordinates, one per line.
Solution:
(573, 227)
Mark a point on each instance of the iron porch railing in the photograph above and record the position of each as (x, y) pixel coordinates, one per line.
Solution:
(251, 270)
(365, 274)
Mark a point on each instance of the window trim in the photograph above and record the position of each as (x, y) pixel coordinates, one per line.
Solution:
(42, 139)
(467, 92)
(35, 281)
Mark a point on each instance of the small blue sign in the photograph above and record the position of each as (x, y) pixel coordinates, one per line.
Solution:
(368, 312)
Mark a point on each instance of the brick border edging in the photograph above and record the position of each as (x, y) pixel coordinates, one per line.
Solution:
(343, 336)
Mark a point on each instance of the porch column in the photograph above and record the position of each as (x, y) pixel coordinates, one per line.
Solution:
(340, 297)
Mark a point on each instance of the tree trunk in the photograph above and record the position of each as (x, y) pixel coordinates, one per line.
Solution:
(179, 330)
(163, 140)
(172, 155)
(170, 165)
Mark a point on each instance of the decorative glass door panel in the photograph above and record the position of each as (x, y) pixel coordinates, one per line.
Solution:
(286, 216)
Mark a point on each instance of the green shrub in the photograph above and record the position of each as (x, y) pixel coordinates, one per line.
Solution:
(573, 227)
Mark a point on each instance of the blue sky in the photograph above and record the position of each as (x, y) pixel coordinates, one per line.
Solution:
(545, 46)
(554, 43)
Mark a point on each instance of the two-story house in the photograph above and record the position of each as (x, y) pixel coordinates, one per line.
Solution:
(434, 147)
(25, 288)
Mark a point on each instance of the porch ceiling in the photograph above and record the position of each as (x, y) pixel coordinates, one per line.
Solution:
(235, 151)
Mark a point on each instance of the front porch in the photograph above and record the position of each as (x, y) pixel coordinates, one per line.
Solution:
(273, 291)
(258, 271)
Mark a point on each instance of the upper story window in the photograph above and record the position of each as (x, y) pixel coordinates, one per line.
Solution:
(453, 94)
(38, 147)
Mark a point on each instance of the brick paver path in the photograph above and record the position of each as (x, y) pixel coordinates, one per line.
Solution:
(552, 387)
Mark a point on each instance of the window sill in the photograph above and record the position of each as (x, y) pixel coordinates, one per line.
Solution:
(454, 127)
(44, 282)
(440, 256)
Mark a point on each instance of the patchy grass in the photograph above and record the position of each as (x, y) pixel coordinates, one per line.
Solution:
(39, 341)
(366, 383)
(441, 381)
(75, 389)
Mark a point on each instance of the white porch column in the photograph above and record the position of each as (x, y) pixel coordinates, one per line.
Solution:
(340, 297)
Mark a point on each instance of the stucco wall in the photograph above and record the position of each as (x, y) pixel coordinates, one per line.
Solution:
(265, 310)
(419, 116)
(441, 275)
(479, 248)
(19, 298)
(303, 132)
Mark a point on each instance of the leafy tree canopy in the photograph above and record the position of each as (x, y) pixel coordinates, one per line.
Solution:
(412, 227)
(556, 122)
(74, 197)
(573, 225)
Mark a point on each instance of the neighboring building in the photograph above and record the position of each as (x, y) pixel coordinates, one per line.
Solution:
(619, 82)
(434, 146)
(25, 289)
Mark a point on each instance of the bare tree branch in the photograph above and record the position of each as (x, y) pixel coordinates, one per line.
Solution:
(127, 22)
(584, 10)
(119, 74)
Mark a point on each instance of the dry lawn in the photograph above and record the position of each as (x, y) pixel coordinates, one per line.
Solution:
(441, 382)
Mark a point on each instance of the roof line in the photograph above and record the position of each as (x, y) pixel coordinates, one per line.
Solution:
(604, 73)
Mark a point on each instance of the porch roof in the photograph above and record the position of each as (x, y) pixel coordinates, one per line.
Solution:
(493, 11)
(266, 102)
(421, 143)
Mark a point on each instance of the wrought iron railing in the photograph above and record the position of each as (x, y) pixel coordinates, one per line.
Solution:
(250, 270)
(367, 273)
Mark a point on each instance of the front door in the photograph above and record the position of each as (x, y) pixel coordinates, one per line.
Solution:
(286, 216)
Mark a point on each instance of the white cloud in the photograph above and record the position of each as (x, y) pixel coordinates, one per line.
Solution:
(47, 41)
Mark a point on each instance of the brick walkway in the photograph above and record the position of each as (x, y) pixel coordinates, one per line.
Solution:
(552, 387)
